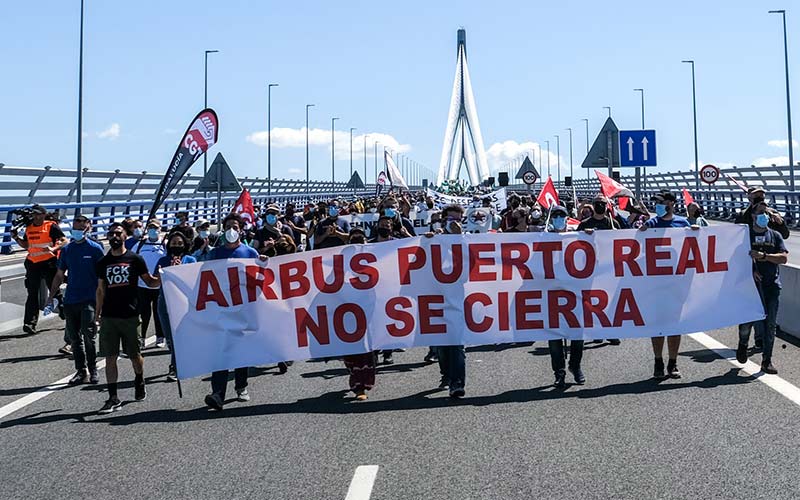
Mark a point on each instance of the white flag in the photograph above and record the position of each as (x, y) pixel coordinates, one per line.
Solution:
(393, 172)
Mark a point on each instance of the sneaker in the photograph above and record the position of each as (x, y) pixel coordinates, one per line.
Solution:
(614, 341)
(658, 370)
(142, 343)
(672, 369)
(768, 368)
(560, 383)
(457, 392)
(243, 396)
(172, 375)
(387, 359)
(161, 342)
(580, 378)
(79, 378)
(139, 391)
(94, 378)
(741, 353)
(282, 367)
(361, 395)
(758, 344)
(214, 401)
(29, 329)
(444, 383)
(431, 358)
(66, 350)
(112, 405)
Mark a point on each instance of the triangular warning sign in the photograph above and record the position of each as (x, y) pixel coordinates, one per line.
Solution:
(355, 182)
(527, 166)
(599, 154)
(219, 174)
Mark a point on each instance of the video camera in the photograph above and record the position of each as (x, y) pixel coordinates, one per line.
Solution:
(24, 217)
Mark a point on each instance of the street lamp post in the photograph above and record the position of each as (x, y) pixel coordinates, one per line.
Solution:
(641, 177)
(586, 120)
(558, 157)
(375, 154)
(205, 98)
(333, 144)
(788, 101)
(269, 137)
(308, 177)
(79, 176)
(694, 114)
(609, 110)
(548, 157)
(351, 152)
(365, 159)
(570, 153)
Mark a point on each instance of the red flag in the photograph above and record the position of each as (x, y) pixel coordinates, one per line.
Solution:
(244, 207)
(611, 188)
(623, 202)
(572, 224)
(548, 196)
(687, 197)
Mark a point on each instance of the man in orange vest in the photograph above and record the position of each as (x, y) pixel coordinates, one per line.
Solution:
(43, 239)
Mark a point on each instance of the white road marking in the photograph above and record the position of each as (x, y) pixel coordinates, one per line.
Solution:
(55, 386)
(363, 480)
(781, 386)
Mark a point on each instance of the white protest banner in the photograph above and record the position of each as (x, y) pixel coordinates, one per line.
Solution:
(498, 197)
(470, 289)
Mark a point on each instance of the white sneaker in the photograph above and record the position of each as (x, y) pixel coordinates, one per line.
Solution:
(161, 342)
(141, 344)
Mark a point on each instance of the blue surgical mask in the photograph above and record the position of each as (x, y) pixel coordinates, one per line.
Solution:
(203, 234)
(559, 223)
(333, 211)
(272, 219)
(390, 212)
(77, 234)
(762, 220)
(661, 209)
(137, 233)
(152, 233)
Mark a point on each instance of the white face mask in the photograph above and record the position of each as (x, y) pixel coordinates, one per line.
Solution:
(231, 235)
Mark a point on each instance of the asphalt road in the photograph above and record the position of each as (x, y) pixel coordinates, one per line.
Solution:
(716, 433)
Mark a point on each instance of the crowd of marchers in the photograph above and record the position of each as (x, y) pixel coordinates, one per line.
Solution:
(113, 295)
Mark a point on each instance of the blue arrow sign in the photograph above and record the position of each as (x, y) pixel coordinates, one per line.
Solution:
(637, 148)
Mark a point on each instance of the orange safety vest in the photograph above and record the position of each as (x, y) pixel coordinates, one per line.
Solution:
(38, 241)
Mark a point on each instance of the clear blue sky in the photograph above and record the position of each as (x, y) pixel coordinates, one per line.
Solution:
(536, 68)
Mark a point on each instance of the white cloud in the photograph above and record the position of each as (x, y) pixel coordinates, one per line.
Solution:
(294, 171)
(774, 160)
(112, 132)
(501, 154)
(781, 143)
(296, 138)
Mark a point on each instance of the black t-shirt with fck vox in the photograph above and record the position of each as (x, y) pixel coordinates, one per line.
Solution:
(121, 275)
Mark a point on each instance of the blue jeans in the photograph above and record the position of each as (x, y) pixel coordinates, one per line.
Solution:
(557, 355)
(80, 328)
(452, 365)
(767, 327)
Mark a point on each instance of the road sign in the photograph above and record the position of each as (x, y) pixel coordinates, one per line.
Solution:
(219, 177)
(605, 146)
(355, 182)
(527, 168)
(529, 178)
(709, 174)
(638, 148)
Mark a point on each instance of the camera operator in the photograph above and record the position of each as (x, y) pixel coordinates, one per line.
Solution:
(42, 239)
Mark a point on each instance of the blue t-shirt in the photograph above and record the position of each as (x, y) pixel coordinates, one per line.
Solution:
(79, 261)
(240, 252)
(166, 261)
(676, 221)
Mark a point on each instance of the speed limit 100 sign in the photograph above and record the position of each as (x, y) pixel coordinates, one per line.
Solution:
(529, 177)
(709, 174)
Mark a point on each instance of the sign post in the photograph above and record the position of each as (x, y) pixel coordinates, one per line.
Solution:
(638, 149)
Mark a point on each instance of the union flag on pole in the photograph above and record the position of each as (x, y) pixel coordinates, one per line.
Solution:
(244, 207)
(687, 197)
(611, 188)
(548, 196)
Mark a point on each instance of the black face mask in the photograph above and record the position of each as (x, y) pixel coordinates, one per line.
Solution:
(599, 207)
(357, 241)
(515, 203)
(115, 243)
(176, 250)
(384, 232)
